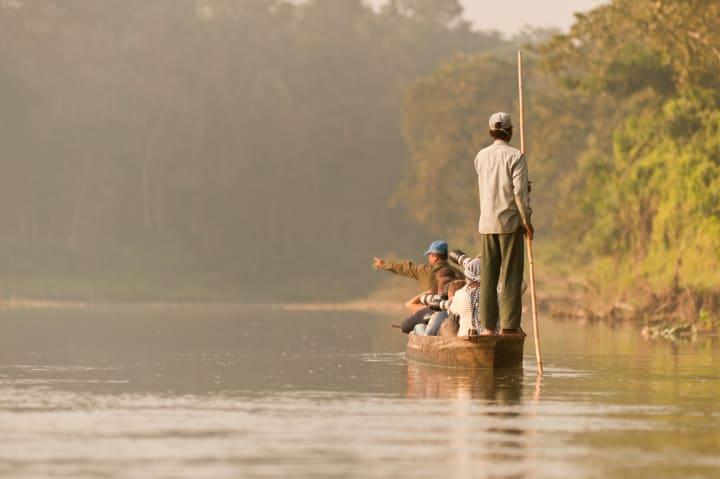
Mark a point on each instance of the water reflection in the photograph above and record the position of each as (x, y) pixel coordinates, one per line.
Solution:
(488, 426)
(501, 387)
(225, 393)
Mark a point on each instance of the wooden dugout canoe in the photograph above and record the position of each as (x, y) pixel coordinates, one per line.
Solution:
(476, 352)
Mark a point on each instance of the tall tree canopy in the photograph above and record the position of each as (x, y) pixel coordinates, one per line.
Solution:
(623, 140)
(445, 121)
(189, 143)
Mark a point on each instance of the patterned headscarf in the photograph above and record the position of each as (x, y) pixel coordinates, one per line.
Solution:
(473, 271)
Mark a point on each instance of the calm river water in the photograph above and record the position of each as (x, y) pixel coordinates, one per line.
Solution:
(219, 391)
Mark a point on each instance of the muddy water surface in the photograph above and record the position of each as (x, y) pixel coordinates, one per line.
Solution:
(220, 391)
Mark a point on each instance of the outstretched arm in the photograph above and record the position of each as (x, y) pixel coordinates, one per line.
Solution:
(402, 268)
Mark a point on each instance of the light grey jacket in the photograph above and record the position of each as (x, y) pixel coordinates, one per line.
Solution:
(503, 185)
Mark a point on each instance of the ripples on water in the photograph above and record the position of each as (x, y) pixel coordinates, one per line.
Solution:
(137, 392)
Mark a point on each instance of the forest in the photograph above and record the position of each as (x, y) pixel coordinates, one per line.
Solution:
(623, 145)
(241, 149)
(260, 149)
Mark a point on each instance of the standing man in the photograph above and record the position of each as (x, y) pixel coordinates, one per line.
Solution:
(504, 218)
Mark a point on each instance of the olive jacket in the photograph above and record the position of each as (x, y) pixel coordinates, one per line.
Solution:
(423, 273)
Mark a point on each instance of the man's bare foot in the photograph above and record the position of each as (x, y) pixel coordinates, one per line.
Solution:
(487, 332)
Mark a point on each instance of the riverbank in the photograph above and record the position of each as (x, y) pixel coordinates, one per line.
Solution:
(672, 313)
(122, 288)
(676, 313)
(599, 291)
(27, 303)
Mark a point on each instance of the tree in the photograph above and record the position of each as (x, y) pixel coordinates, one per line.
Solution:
(209, 143)
(623, 140)
(445, 126)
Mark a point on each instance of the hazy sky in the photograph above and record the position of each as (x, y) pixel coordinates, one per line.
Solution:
(515, 14)
(510, 16)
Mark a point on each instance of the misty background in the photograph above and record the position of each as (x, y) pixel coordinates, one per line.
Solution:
(244, 149)
(260, 150)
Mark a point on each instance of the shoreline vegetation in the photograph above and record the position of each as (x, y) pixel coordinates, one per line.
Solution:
(675, 313)
(586, 293)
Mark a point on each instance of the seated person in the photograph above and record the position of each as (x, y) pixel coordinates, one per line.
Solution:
(450, 326)
(425, 274)
(466, 301)
(433, 325)
(421, 314)
(414, 304)
(419, 317)
(437, 319)
(443, 279)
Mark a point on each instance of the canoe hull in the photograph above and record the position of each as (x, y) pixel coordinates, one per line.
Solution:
(479, 352)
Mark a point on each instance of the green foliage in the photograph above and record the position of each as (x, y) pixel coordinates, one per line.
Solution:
(668, 172)
(445, 121)
(623, 141)
(257, 142)
(641, 198)
(260, 138)
(707, 321)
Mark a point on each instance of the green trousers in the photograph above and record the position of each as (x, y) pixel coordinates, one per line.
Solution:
(503, 257)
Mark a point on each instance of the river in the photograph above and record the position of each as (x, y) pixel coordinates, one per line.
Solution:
(224, 391)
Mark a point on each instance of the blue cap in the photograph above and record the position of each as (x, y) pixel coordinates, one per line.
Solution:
(437, 247)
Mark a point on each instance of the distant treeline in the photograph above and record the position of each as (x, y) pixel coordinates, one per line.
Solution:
(251, 149)
(200, 148)
(624, 142)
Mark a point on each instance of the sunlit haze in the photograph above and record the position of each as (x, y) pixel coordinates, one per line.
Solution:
(298, 238)
(511, 16)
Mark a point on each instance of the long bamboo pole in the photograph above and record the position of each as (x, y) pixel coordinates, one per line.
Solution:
(528, 241)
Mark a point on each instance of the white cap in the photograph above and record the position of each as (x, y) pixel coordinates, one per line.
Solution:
(500, 121)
